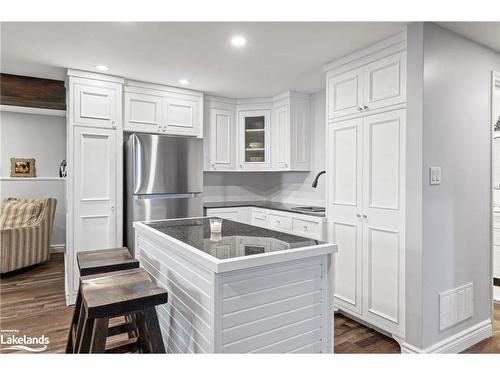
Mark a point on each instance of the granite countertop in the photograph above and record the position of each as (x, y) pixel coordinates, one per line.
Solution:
(263, 204)
(235, 240)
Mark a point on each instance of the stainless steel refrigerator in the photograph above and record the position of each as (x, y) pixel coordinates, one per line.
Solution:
(163, 179)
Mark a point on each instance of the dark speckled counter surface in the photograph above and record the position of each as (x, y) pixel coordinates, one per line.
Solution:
(263, 204)
(241, 239)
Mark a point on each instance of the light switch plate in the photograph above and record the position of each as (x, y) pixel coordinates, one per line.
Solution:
(435, 175)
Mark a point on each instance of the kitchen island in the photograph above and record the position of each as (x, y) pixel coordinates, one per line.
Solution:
(246, 289)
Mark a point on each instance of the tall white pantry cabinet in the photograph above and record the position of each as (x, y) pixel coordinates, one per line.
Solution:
(366, 124)
(94, 165)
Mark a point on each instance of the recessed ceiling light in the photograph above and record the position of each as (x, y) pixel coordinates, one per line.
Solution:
(238, 41)
(102, 68)
(184, 81)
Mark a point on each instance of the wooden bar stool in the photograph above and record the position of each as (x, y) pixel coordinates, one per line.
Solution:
(92, 263)
(115, 294)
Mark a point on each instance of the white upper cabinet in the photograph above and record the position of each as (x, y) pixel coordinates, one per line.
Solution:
(182, 115)
(269, 134)
(345, 94)
(95, 103)
(378, 84)
(384, 82)
(159, 109)
(280, 136)
(253, 128)
(222, 140)
(291, 133)
(143, 113)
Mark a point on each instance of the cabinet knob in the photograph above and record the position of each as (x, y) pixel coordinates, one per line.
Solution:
(112, 208)
(305, 227)
(365, 217)
(358, 215)
(360, 109)
(365, 107)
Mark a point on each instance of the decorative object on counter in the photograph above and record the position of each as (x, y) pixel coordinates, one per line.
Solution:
(20, 167)
(62, 169)
(215, 236)
(216, 225)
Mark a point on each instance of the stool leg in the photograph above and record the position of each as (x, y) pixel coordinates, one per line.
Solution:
(149, 331)
(86, 339)
(99, 335)
(70, 346)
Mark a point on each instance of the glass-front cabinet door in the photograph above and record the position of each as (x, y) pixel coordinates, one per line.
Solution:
(254, 139)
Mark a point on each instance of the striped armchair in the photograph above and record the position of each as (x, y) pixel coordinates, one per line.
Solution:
(25, 232)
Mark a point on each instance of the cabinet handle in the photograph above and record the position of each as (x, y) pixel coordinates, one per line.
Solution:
(305, 227)
(112, 208)
(365, 217)
(365, 107)
(358, 215)
(360, 109)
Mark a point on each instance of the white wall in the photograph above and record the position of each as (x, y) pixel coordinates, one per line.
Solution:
(455, 216)
(293, 187)
(43, 138)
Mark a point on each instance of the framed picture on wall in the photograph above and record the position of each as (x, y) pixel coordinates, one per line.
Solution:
(20, 167)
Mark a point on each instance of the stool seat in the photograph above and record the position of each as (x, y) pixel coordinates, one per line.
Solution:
(106, 260)
(120, 292)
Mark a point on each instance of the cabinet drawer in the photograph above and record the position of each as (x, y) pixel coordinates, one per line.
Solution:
(496, 237)
(306, 228)
(279, 222)
(259, 218)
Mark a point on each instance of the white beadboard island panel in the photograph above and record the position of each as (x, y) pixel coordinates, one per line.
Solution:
(276, 302)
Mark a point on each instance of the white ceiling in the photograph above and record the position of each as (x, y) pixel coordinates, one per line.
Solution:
(277, 57)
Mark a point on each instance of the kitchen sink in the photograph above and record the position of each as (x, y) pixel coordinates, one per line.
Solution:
(309, 209)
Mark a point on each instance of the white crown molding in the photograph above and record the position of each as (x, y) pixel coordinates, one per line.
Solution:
(96, 76)
(456, 343)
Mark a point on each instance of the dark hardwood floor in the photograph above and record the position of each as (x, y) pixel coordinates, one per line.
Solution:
(32, 302)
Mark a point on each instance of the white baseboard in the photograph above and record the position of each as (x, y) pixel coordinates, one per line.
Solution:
(456, 343)
(55, 249)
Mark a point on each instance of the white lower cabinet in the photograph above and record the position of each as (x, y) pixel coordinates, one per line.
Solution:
(300, 225)
(366, 217)
(297, 224)
(239, 214)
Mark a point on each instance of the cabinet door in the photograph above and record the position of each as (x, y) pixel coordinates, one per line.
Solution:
(280, 137)
(254, 139)
(345, 209)
(182, 115)
(385, 82)
(222, 140)
(383, 205)
(94, 173)
(345, 94)
(96, 103)
(143, 113)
